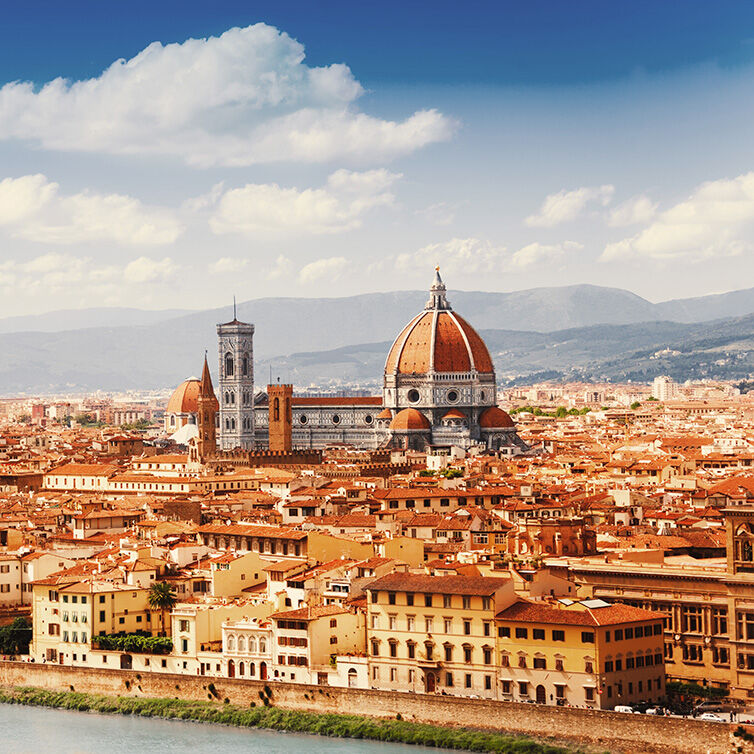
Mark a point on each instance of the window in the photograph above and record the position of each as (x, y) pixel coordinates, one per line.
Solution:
(588, 693)
(720, 656)
(391, 620)
(392, 644)
(183, 625)
(375, 648)
(559, 665)
(467, 680)
(608, 666)
(538, 633)
(448, 679)
(523, 688)
(411, 650)
(692, 653)
(504, 661)
(629, 633)
(522, 661)
(587, 637)
(486, 603)
(630, 664)
(467, 627)
(409, 599)
(391, 598)
(429, 650)
(466, 653)
(522, 633)
(446, 600)
(410, 622)
(374, 597)
(428, 624)
(618, 634)
(486, 628)
(745, 625)
(691, 619)
(540, 663)
(447, 624)
(448, 653)
(588, 666)
(427, 600)
(558, 635)
(504, 632)
(487, 655)
(607, 637)
(506, 687)
(466, 602)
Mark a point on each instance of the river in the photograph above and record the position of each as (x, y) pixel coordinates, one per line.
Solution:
(38, 730)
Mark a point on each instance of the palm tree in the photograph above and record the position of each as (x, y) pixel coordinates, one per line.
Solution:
(162, 597)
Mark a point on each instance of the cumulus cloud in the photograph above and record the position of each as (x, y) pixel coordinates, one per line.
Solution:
(337, 206)
(242, 98)
(534, 253)
(456, 256)
(634, 211)
(568, 205)
(54, 271)
(34, 208)
(712, 222)
(225, 265)
(328, 269)
(282, 268)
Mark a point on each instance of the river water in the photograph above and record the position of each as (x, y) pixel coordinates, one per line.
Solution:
(37, 730)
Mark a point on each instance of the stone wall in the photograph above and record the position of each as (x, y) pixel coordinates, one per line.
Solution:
(602, 731)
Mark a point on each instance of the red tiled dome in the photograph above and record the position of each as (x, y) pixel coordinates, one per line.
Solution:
(495, 418)
(455, 347)
(184, 397)
(410, 418)
(386, 413)
(454, 413)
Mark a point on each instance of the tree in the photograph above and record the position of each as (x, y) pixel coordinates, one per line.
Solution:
(15, 638)
(162, 597)
(635, 405)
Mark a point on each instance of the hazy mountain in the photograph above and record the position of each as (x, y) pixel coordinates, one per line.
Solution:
(74, 319)
(318, 340)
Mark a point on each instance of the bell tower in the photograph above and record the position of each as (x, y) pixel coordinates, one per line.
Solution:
(235, 342)
(206, 414)
(281, 417)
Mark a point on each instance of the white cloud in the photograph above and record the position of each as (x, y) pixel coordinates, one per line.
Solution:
(241, 98)
(145, 270)
(457, 257)
(224, 265)
(534, 253)
(336, 207)
(329, 269)
(53, 272)
(634, 211)
(712, 222)
(283, 268)
(33, 208)
(568, 205)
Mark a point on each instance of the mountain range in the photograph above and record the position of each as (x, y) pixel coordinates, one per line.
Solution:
(580, 331)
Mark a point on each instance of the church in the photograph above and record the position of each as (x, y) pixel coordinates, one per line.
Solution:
(439, 390)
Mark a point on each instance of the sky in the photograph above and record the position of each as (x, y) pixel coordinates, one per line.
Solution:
(174, 154)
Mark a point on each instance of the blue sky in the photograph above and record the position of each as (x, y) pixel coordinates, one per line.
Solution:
(345, 147)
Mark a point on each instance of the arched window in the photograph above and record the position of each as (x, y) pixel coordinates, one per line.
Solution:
(252, 669)
(276, 410)
(228, 364)
(232, 423)
(231, 643)
(252, 645)
(240, 668)
(241, 646)
(245, 366)
(172, 420)
(262, 645)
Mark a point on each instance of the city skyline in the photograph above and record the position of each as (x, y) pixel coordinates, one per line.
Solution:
(292, 150)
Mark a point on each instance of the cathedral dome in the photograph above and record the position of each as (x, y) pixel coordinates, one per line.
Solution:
(410, 419)
(438, 340)
(184, 397)
(495, 418)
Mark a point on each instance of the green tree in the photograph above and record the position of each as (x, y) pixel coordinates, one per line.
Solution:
(162, 597)
(15, 637)
(635, 405)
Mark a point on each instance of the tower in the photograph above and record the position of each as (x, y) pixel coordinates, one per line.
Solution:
(206, 416)
(281, 417)
(235, 342)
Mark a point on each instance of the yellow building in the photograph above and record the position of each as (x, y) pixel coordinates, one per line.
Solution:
(434, 633)
(585, 654)
(67, 612)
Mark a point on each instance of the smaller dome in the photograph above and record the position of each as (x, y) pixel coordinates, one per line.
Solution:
(410, 418)
(454, 413)
(386, 413)
(495, 418)
(184, 397)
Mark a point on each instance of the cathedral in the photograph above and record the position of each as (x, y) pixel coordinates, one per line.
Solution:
(439, 390)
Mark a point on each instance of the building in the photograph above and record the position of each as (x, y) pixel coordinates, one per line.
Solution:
(586, 654)
(235, 342)
(664, 389)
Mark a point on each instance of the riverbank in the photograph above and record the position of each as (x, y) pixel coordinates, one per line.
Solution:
(264, 715)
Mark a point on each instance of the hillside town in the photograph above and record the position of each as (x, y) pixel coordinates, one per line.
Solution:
(569, 545)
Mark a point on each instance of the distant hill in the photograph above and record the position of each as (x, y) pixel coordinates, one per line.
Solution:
(572, 331)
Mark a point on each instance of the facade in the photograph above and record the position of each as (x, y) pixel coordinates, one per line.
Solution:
(235, 341)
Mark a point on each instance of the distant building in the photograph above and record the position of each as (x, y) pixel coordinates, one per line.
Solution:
(664, 389)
